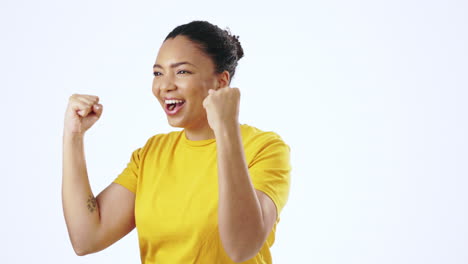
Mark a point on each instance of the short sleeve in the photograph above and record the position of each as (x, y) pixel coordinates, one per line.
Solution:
(270, 171)
(129, 176)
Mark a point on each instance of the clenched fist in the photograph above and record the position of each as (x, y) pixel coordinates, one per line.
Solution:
(82, 112)
(222, 107)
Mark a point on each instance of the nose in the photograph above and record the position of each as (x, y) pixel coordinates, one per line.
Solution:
(166, 85)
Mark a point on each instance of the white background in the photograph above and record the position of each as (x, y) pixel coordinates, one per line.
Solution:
(370, 95)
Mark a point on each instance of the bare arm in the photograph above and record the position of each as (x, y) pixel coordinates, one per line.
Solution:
(246, 215)
(93, 223)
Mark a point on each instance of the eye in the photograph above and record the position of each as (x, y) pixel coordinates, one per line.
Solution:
(183, 71)
(157, 73)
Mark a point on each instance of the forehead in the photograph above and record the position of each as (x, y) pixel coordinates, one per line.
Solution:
(179, 49)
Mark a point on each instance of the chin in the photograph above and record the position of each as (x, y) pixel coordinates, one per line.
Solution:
(174, 123)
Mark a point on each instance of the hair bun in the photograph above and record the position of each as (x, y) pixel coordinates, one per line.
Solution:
(235, 41)
(239, 50)
(219, 44)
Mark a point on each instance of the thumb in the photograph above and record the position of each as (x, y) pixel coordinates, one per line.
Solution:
(98, 110)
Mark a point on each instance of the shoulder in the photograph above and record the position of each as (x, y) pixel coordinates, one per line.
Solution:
(252, 133)
(162, 139)
(265, 150)
(259, 139)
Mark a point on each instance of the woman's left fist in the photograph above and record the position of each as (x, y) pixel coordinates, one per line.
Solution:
(222, 107)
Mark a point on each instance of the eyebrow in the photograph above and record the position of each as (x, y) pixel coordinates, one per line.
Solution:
(173, 65)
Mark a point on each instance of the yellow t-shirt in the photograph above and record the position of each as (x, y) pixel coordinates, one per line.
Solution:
(176, 185)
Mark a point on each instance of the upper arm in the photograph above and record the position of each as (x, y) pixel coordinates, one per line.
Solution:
(116, 212)
(270, 171)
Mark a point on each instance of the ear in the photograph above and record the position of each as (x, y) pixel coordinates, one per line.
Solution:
(223, 79)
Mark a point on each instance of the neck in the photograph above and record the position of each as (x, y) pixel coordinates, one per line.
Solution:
(201, 132)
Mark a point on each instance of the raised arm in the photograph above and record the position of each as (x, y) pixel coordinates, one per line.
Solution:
(93, 223)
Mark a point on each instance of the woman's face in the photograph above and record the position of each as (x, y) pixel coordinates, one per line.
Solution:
(185, 74)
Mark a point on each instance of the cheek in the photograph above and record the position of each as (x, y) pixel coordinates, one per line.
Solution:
(192, 88)
(155, 87)
(206, 84)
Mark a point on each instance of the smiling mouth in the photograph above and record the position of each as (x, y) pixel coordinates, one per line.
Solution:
(173, 104)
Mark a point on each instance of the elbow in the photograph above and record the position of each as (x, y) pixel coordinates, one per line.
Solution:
(244, 245)
(235, 257)
(82, 248)
(239, 257)
(83, 239)
(79, 251)
(248, 251)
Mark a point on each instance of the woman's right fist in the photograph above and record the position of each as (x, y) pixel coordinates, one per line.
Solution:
(82, 112)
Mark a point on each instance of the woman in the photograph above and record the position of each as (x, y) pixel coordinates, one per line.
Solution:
(210, 193)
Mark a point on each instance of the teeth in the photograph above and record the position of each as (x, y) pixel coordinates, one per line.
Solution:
(173, 101)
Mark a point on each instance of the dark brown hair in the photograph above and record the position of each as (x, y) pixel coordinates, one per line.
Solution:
(223, 48)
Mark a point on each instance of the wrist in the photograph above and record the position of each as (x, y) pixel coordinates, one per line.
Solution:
(227, 129)
(72, 136)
